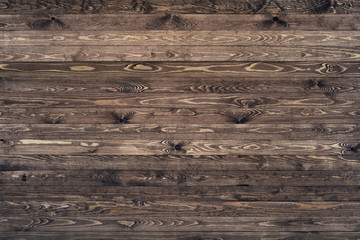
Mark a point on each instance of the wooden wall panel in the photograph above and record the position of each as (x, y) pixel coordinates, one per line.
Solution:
(179, 120)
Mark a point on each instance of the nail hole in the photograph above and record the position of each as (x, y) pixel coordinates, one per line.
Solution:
(275, 19)
(52, 18)
(177, 147)
(23, 178)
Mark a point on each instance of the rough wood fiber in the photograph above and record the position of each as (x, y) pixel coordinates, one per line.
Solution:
(167, 21)
(179, 6)
(179, 120)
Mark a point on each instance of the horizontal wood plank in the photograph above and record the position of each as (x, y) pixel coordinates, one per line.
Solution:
(113, 115)
(79, 84)
(185, 6)
(188, 100)
(197, 178)
(206, 224)
(166, 208)
(170, 146)
(183, 69)
(186, 193)
(171, 21)
(176, 53)
(181, 38)
(188, 132)
(179, 162)
(258, 235)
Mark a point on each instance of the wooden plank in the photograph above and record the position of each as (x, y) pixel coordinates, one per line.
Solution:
(179, 162)
(198, 178)
(175, 162)
(102, 84)
(113, 115)
(184, 69)
(181, 38)
(206, 224)
(187, 100)
(185, 6)
(189, 131)
(178, 146)
(176, 53)
(180, 235)
(171, 21)
(193, 194)
(129, 207)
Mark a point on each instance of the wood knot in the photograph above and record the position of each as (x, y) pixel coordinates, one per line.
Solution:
(44, 24)
(241, 118)
(138, 203)
(349, 148)
(174, 147)
(121, 118)
(6, 143)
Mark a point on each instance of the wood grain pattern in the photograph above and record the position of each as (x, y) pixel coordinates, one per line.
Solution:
(170, 146)
(176, 53)
(184, 69)
(276, 193)
(205, 224)
(147, 115)
(184, 6)
(188, 132)
(171, 21)
(179, 178)
(188, 100)
(184, 235)
(133, 206)
(180, 162)
(69, 84)
(179, 120)
(179, 38)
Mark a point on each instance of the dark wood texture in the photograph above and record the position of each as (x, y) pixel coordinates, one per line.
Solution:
(180, 120)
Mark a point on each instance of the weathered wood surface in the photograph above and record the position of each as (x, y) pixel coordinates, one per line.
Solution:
(116, 132)
(180, 38)
(126, 235)
(176, 53)
(185, 236)
(180, 120)
(181, 224)
(167, 146)
(161, 208)
(53, 84)
(193, 22)
(180, 162)
(195, 178)
(183, 6)
(113, 115)
(188, 100)
(187, 193)
(185, 69)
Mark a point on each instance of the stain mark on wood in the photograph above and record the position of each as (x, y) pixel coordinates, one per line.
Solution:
(142, 6)
(169, 21)
(53, 120)
(121, 118)
(275, 21)
(44, 24)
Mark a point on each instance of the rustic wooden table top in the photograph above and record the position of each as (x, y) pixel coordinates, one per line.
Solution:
(180, 119)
